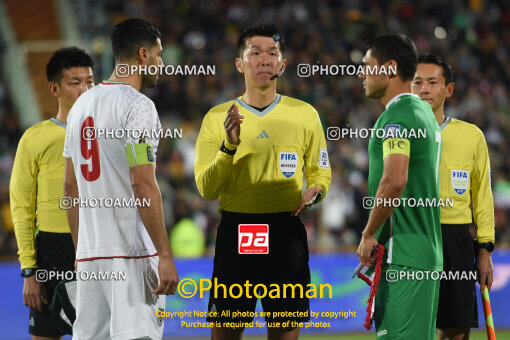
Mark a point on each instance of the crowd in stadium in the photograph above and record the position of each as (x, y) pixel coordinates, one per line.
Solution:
(476, 45)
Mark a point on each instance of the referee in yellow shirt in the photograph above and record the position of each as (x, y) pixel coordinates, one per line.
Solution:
(37, 183)
(464, 176)
(257, 173)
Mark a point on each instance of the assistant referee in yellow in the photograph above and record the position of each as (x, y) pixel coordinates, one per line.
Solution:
(464, 175)
(257, 173)
(37, 183)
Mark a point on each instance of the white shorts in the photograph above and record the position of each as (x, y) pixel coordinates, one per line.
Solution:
(118, 309)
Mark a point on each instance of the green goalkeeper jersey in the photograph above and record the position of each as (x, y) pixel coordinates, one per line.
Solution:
(412, 233)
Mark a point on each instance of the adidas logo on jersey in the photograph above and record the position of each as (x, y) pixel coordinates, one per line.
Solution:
(263, 135)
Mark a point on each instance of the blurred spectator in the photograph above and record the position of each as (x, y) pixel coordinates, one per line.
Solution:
(187, 240)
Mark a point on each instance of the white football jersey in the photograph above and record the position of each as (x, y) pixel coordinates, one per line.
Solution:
(109, 224)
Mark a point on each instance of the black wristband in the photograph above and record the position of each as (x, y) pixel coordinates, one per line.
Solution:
(489, 246)
(27, 272)
(227, 151)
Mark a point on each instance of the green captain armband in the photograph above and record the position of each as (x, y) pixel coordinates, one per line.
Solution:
(138, 154)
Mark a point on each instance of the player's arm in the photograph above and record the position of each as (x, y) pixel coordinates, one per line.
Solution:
(317, 169)
(71, 191)
(140, 159)
(143, 182)
(483, 209)
(396, 153)
(212, 166)
(23, 188)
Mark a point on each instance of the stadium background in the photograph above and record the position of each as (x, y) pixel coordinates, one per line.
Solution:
(473, 35)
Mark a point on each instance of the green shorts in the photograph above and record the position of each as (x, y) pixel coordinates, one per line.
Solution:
(406, 304)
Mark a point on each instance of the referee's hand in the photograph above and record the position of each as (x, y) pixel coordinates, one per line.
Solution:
(233, 124)
(168, 277)
(485, 269)
(307, 200)
(34, 294)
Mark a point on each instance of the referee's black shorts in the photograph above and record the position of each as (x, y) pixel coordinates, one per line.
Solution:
(55, 252)
(286, 263)
(457, 298)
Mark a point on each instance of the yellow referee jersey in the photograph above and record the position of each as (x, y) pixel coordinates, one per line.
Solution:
(278, 146)
(37, 183)
(464, 171)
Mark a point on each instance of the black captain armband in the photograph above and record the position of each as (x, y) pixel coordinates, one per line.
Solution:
(227, 151)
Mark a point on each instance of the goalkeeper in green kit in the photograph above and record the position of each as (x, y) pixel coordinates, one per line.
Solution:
(403, 186)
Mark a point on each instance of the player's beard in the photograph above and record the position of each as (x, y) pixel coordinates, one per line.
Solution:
(375, 92)
(149, 81)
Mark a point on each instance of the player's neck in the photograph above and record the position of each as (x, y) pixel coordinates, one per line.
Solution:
(395, 87)
(134, 80)
(62, 113)
(259, 98)
(439, 114)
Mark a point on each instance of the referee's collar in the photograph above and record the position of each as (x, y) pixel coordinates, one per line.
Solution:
(394, 99)
(257, 112)
(446, 122)
(58, 122)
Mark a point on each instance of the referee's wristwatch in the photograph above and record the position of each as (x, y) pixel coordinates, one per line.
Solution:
(27, 272)
(489, 246)
(227, 151)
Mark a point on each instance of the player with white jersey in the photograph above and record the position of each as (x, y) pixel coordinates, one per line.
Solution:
(116, 215)
(102, 172)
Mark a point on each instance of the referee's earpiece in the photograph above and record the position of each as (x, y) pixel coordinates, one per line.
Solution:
(277, 75)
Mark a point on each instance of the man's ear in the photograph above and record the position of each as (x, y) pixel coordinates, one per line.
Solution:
(54, 89)
(239, 65)
(143, 56)
(389, 66)
(284, 66)
(449, 90)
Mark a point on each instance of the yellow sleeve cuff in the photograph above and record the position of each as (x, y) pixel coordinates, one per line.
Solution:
(28, 263)
(231, 146)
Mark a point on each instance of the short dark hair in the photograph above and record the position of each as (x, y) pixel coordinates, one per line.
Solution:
(260, 30)
(131, 34)
(64, 59)
(431, 58)
(396, 47)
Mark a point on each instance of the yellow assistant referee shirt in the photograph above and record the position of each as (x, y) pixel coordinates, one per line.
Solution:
(278, 146)
(465, 167)
(37, 183)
